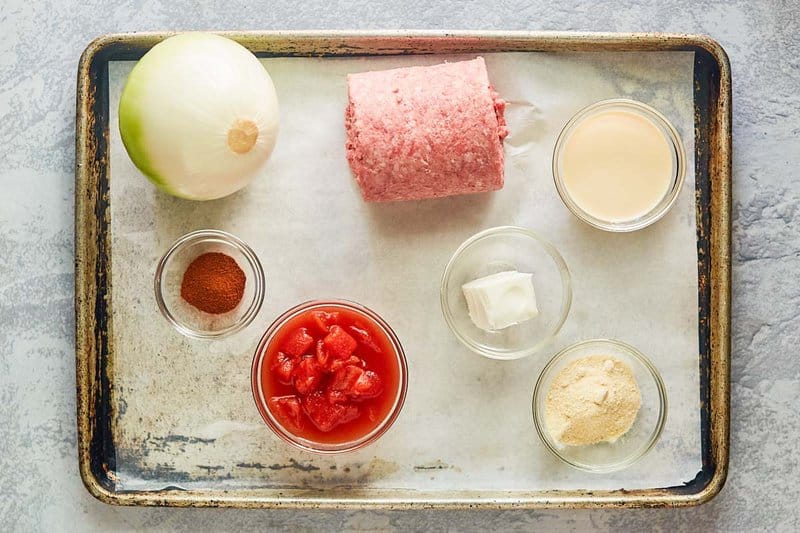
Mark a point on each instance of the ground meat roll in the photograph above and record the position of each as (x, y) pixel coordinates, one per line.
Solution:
(425, 132)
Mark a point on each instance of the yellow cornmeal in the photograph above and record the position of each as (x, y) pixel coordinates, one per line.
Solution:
(593, 399)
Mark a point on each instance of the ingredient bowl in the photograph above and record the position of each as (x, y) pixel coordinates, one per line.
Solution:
(497, 250)
(329, 376)
(643, 434)
(607, 166)
(186, 318)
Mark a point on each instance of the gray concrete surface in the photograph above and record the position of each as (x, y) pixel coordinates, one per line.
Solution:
(40, 41)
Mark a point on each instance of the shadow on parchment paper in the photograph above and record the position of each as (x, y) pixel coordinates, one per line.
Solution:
(405, 219)
(610, 246)
(190, 215)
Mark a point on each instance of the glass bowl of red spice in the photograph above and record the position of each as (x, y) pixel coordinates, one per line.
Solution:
(329, 376)
(209, 284)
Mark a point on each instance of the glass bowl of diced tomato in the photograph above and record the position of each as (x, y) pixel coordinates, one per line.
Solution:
(329, 376)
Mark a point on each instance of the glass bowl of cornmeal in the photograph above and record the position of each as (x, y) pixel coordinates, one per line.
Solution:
(600, 405)
(506, 293)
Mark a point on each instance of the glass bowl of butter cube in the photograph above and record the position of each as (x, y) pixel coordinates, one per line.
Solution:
(506, 292)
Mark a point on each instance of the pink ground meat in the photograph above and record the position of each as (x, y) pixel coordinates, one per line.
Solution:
(425, 132)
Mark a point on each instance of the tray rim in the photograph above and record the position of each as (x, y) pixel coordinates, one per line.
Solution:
(91, 327)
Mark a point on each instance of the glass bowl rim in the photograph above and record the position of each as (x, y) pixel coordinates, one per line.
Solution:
(305, 444)
(677, 180)
(199, 236)
(539, 395)
(566, 286)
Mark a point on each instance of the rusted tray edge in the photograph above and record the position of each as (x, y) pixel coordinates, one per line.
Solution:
(92, 264)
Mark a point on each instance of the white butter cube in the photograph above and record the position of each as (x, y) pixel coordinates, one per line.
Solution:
(501, 300)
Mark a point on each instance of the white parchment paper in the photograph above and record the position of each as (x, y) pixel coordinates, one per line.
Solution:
(185, 414)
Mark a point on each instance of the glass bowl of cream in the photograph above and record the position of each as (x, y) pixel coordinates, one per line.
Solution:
(619, 165)
(599, 405)
(508, 264)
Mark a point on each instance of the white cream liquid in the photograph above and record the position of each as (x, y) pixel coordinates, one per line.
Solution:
(617, 165)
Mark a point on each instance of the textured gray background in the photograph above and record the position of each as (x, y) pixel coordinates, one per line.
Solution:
(40, 42)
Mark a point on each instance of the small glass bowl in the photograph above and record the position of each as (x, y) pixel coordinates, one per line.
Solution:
(678, 164)
(646, 429)
(189, 320)
(306, 444)
(496, 250)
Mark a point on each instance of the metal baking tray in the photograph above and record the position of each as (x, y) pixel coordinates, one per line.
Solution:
(95, 351)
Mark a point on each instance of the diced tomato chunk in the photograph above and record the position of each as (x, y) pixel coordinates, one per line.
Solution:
(336, 396)
(357, 383)
(287, 410)
(324, 320)
(339, 343)
(307, 375)
(345, 378)
(368, 385)
(298, 342)
(283, 366)
(365, 338)
(337, 364)
(322, 354)
(326, 415)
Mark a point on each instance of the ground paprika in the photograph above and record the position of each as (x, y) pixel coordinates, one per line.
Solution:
(213, 283)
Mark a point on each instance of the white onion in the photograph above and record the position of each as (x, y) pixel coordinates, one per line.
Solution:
(199, 116)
